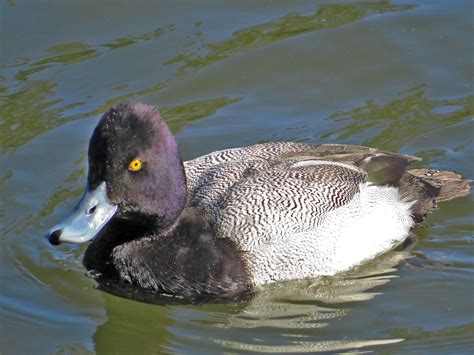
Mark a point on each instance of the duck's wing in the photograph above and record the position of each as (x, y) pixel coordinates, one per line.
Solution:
(210, 177)
(278, 189)
(292, 196)
(381, 167)
(196, 168)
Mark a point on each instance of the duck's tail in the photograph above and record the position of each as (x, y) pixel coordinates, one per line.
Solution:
(429, 187)
(426, 187)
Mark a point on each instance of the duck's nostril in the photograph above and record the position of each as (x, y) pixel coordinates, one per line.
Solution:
(53, 237)
(91, 210)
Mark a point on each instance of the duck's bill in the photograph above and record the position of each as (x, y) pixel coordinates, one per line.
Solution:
(90, 215)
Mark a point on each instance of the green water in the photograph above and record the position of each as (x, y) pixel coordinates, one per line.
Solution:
(395, 75)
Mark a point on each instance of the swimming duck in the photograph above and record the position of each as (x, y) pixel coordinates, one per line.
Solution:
(227, 222)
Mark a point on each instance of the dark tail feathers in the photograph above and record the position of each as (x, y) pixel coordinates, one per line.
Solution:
(429, 187)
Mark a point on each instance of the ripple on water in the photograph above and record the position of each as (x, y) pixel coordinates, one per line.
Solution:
(286, 314)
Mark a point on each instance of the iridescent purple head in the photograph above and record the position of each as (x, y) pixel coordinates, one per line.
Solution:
(137, 133)
(135, 173)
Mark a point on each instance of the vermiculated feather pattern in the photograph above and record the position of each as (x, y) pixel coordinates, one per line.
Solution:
(291, 213)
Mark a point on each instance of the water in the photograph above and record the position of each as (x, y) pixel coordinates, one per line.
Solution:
(395, 75)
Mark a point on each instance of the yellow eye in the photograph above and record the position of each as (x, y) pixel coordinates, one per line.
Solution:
(135, 165)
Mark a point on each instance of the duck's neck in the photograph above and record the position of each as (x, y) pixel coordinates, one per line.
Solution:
(162, 213)
(98, 255)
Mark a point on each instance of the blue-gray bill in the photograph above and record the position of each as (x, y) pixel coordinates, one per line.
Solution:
(90, 215)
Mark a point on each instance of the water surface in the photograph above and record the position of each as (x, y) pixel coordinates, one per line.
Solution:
(396, 75)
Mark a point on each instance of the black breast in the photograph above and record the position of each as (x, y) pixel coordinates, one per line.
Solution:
(189, 261)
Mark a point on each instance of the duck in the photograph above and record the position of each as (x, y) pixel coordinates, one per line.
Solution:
(226, 223)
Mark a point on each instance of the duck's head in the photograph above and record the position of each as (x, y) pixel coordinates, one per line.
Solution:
(135, 174)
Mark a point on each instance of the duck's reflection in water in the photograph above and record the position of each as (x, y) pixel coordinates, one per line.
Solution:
(297, 311)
